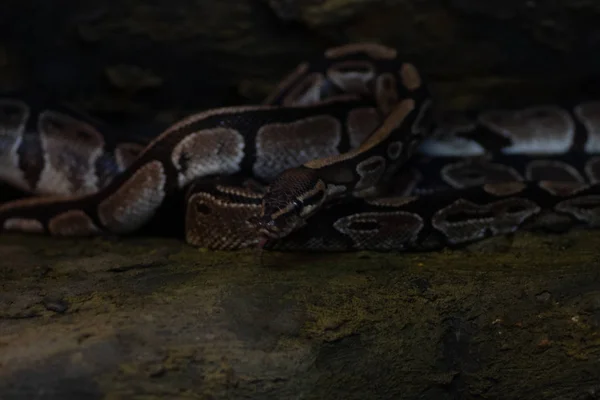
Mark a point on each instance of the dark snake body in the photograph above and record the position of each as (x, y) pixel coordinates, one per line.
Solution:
(349, 153)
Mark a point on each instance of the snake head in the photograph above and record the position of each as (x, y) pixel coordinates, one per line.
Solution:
(290, 199)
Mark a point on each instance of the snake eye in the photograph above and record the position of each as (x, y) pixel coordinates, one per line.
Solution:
(298, 205)
(288, 201)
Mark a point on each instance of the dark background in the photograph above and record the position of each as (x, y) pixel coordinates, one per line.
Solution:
(156, 60)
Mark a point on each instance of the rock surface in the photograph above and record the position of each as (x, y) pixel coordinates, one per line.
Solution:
(145, 318)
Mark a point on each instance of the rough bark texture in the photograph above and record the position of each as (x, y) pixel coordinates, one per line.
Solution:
(150, 318)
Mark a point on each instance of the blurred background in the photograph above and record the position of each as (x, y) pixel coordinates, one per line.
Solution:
(147, 61)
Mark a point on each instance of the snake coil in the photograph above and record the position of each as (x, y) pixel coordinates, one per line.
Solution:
(345, 155)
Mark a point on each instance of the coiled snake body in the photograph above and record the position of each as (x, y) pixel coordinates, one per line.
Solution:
(345, 155)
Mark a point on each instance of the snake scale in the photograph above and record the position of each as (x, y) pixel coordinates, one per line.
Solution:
(346, 154)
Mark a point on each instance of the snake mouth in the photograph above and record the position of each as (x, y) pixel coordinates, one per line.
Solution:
(266, 230)
(269, 230)
(263, 241)
(265, 233)
(266, 236)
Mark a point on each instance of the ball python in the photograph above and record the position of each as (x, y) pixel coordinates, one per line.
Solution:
(348, 153)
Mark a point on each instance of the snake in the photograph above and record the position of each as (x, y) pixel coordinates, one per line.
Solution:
(349, 152)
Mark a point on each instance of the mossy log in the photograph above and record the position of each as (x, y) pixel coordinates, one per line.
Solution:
(510, 318)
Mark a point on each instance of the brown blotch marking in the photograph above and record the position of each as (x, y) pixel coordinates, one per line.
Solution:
(240, 191)
(504, 189)
(27, 225)
(552, 170)
(464, 221)
(446, 142)
(187, 123)
(220, 224)
(477, 172)
(534, 130)
(562, 189)
(381, 230)
(335, 190)
(386, 92)
(126, 153)
(410, 77)
(135, 201)
(371, 165)
(370, 171)
(592, 169)
(72, 223)
(282, 146)
(215, 151)
(584, 208)
(362, 122)
(551, 221)
(352, 76)
(71, 148)
(390, 124)
(285, 83)
(373, 50)
(33, 201)
(396, 201)
(589, 115)
(306, 92)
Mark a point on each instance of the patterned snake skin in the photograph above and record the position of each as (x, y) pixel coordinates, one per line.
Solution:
(345, 155)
